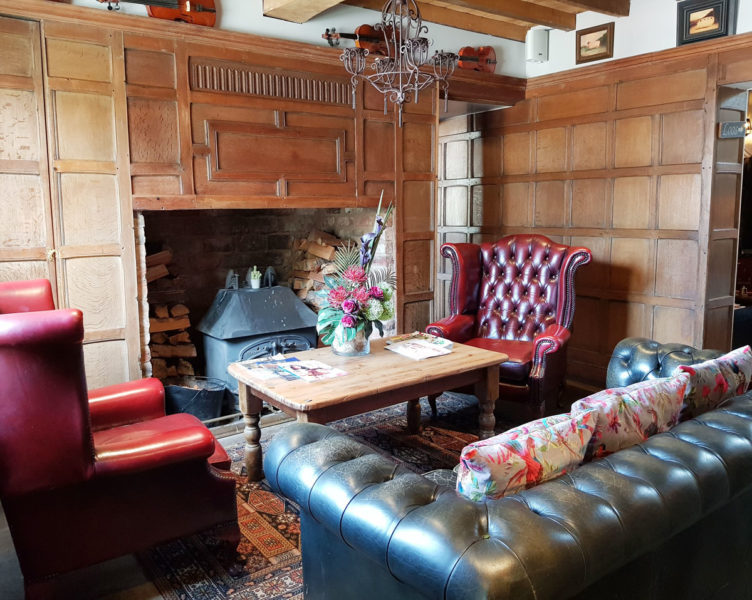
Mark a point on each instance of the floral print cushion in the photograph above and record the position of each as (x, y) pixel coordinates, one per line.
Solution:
(713, 381)
(524, 456)
(630, 415)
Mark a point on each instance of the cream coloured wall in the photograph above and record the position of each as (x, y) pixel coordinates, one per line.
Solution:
(650, 27)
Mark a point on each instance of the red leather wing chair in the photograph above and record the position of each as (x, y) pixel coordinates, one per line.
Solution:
(515, 296)
(112, 405)
(25, 296)
(84, 480)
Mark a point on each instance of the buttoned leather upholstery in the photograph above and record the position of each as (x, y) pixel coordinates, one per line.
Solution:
(74, 493)
(666, 519)
(637, 359)
(516, 296)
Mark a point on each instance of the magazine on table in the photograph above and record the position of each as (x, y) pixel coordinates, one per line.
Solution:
(290, 369)
(421, 335)
(419, 345)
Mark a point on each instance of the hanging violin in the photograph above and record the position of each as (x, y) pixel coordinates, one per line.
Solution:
(482, 59)
(366, 36)
(202, 12)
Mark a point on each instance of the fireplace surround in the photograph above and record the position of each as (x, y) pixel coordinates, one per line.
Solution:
(207, 244)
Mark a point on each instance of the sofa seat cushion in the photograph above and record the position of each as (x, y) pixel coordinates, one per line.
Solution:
(630, 415)
(525, 456)
(716, 380)
(517, 367)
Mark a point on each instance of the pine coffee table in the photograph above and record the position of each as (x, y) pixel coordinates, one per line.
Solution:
(381, 378)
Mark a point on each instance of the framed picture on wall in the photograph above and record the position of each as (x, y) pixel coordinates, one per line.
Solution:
(595, 43)
(698, 20)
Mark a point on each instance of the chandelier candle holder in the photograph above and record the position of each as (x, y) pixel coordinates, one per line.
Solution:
(398, 75)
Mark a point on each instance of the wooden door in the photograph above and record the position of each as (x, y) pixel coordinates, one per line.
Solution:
(91, 204)
(26, 238)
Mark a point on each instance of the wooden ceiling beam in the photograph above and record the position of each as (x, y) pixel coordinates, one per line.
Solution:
(297, 11)
(459, 19)
(518, 10)
(618, 8)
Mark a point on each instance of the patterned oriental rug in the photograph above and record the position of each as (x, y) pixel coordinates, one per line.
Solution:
(192, 568)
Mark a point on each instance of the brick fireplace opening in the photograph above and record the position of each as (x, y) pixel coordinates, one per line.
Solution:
(202, 246)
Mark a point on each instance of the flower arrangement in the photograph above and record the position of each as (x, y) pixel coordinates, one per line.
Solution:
(357, 298)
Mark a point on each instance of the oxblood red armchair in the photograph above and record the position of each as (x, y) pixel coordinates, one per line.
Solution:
(515, 296)
(85, 480)
(25, 296)
(112, 405)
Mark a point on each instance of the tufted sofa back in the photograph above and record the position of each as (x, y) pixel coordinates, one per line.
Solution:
(637, 359)
(524, 287)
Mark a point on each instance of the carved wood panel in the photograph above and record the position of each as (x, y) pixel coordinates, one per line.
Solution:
(270, 149)
(157, 126)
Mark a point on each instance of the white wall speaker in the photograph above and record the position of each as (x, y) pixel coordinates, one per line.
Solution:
(536, 45)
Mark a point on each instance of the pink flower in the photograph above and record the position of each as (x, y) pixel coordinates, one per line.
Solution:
(349, 306)
(348, 321)
(362, 295)
(337, 296)
(355, 275)
(376, 292)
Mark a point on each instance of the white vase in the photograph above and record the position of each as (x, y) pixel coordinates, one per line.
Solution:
(255, 284)
(358, 346)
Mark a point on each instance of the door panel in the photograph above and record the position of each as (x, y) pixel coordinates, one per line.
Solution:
(26, 224)
(91, 213)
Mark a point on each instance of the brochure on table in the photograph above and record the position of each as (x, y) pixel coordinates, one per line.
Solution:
(280, 367)
(419, 345)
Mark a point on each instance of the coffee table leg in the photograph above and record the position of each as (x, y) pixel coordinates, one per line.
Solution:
(487, 391)
(250, 406)
(413, 415)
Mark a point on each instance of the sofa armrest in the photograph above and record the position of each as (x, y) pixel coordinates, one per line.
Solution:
(637, 359)
(458, 328)
(553, 340)
(124, 403)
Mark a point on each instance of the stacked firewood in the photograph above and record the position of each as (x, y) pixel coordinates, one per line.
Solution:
(313, 262)
(170, 341)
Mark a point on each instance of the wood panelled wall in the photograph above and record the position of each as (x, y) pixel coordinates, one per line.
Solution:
(66, 206)
(102, 115)
(618, 158)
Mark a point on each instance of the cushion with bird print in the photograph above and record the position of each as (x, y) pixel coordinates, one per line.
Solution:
(713, 381)
(524, 456)
(630, 415)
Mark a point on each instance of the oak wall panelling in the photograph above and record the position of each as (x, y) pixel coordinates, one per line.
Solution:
(26, 233)
(180, 116)
(91, 209)
(65, 216)
(619, 158)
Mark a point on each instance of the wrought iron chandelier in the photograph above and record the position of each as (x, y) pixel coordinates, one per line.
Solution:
(398, 74)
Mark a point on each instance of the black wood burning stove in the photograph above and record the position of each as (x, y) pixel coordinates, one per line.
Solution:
(243, 324)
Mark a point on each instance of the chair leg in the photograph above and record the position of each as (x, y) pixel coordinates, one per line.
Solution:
(229, 534)
(432, 403)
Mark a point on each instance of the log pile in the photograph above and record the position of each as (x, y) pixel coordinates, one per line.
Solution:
(169, 320)
(314, 261)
